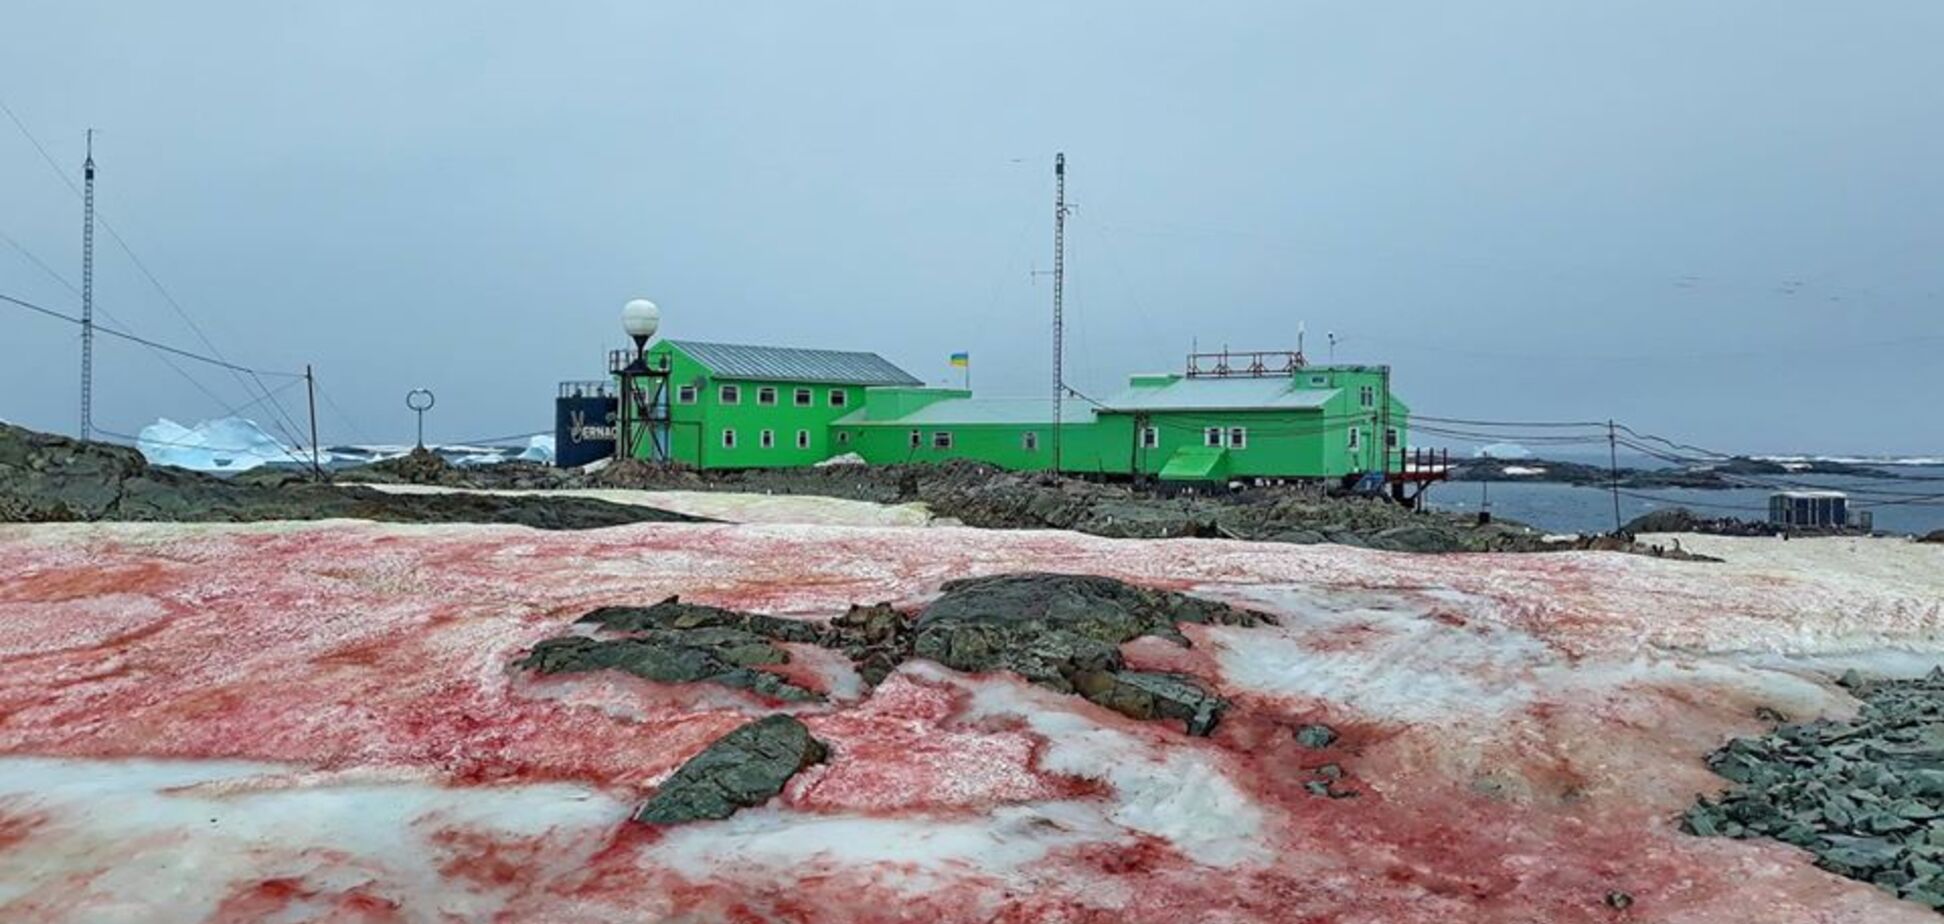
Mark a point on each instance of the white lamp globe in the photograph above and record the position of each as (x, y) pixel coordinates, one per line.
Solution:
(640, 318)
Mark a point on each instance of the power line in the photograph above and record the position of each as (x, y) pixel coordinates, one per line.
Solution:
(236, 371)
(115, 332)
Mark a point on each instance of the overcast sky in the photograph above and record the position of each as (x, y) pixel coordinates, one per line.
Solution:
(1719, 221)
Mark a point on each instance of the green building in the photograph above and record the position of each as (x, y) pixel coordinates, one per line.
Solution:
(1227, 416)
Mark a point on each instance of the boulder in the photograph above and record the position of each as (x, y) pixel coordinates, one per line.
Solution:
(746, 767)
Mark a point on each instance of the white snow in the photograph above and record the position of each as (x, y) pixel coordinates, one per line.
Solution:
(1523, 470)
(910, 850)
(170, 838)
(226, 444)
(849, 458)
(1504, 451)
(1180, 794)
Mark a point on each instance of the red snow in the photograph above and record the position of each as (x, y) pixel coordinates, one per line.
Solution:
(369, 648)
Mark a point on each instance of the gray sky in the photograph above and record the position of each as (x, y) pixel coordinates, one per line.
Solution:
(1716, 221)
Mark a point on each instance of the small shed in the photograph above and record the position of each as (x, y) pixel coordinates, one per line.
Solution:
(1809, 508)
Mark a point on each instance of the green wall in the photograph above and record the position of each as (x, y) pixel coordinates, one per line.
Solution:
(1279, 443)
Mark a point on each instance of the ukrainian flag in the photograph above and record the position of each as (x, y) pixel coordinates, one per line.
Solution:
(961, 360)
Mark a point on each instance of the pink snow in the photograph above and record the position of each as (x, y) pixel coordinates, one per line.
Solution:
(319, 722)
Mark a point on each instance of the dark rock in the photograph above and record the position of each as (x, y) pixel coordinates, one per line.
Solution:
(1935, 535)
(1865, 796)
(1619, 901)
(746, 767)
(1316, 736)
(53, 478)
(1064, 632)
(715, 656)
(673, 614)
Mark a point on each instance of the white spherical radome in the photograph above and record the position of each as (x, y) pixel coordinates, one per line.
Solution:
(640, 318)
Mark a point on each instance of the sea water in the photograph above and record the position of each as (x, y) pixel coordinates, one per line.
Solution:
(1912, 503)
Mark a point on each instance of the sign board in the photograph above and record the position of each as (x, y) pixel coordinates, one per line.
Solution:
(583, 429)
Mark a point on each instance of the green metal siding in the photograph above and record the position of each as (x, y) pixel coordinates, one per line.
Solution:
(1288, 441)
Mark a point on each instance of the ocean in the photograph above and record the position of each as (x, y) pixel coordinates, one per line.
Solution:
(1896, 506)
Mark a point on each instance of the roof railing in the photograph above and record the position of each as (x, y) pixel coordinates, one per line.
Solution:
(1255, 364)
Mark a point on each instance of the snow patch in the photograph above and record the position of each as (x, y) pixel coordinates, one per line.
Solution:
(1504, 451)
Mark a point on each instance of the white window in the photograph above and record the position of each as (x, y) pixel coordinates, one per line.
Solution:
(917, 439)
(1356, 438)
(839, 397)
(1367, 396)
(728, 439)
(766, 395)
(802, 397)
(1390, 437)
(942, 439)
(729, 394)
(1212, 436)
(685, 394)
(803, 439)
(1029, 441)
(1238, 437)
(766, 439)
(843, 437)
(1150, 437)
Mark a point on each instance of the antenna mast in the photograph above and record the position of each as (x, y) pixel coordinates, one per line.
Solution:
(1059, 291)
(87, 292)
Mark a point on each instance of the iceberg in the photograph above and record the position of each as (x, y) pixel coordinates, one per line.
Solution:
(226, 444)
(539, 449)
(1504, 451)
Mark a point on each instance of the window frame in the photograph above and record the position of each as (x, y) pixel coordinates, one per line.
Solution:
(728, 437)
(917, 439)
(1356, 439)
(766, 438)
(839, 398)
(803, 397)
(1150, 437)
(1029, 440)
(1214, 437)
(1238, 437)
(686, 394)
(803, 439)
(1392, 438)
(941, 439)
(1367, 395)
(728, 393)
(843, 437)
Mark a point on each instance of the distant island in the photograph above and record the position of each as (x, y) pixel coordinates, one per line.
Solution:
(1715, 475)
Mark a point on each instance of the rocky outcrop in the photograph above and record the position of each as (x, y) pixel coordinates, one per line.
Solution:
(1059, 631)
(1935, 535)
(747, 767)
(47, 478)
(1064, 632)
(1866, 797)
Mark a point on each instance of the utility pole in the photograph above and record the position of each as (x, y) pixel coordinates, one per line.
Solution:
(310, 387)
(1613, 473)
(1059, 292)
(87, 292)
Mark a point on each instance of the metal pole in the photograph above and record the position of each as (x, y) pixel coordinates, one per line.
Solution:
(310, 386)
(1613, 473)
(87, 292)
(1059, 292)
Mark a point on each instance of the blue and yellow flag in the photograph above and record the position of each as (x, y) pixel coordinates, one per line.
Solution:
(961, 360)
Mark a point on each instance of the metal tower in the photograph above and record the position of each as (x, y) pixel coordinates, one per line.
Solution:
(1059, 292)
(87, 292)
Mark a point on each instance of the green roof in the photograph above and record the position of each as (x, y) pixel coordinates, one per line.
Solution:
(1196, 463)
(790, 364)
(966, 411)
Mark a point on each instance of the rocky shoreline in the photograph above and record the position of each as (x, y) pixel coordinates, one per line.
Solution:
(47, 478)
